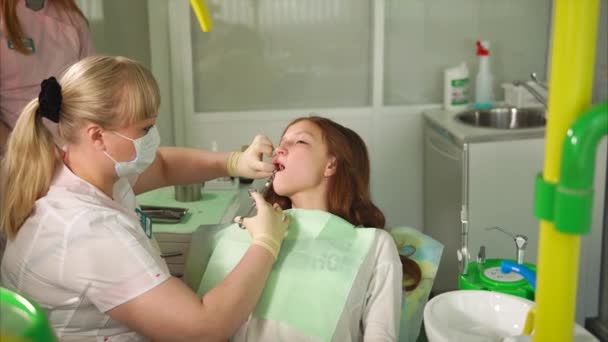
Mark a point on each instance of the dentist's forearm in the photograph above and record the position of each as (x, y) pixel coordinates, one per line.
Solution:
(187, 165)
(233, 299)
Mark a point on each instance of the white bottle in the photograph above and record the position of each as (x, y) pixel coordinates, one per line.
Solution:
(484, 91)
(456, 88)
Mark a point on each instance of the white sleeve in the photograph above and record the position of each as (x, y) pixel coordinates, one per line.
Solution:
(382, 309)
(110, 261)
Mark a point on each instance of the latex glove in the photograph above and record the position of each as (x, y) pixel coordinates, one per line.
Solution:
(250, 164)
(268, 227)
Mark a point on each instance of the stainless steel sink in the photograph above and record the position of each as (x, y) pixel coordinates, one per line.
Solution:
(503, 118)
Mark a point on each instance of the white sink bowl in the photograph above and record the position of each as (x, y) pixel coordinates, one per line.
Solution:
(476, 316)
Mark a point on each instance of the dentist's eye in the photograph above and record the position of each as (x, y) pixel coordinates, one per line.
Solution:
(148, 128)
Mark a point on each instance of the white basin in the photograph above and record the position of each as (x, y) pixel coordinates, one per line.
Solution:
(480, 316)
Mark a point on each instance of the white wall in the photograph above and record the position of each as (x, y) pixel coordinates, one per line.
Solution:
(122, 28)
(393, 133)
(393, 136)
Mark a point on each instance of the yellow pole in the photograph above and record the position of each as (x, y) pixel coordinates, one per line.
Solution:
(202, 14)
(572, 60)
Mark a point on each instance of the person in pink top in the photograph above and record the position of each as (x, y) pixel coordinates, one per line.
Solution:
(38, 39)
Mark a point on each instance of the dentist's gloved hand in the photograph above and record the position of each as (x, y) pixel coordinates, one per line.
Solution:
(268, 227)
(250, 164)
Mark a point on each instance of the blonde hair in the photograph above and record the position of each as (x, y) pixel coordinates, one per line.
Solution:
(109, 91)
(12, 27)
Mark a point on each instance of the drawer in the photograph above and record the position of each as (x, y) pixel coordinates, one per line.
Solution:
(178, 248)
(176, 270)
(172, 237)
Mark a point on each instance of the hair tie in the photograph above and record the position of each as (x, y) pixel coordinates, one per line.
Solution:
(49, 99)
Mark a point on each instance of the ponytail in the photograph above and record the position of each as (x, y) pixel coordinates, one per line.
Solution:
(27, 169)
(31, 156)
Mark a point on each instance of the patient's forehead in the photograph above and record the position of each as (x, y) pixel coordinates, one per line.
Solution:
(304, 127)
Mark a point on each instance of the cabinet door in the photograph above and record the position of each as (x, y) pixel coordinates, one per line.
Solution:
(501, 193)
(442, 199)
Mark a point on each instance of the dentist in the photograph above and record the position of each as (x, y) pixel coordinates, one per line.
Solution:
(76, 245)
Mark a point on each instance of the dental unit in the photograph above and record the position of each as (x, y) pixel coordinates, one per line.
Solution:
(515, 277)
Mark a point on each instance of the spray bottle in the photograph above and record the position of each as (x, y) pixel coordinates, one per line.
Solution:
(484, 93)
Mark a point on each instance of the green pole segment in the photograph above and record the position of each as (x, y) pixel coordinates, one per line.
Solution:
(570, 203)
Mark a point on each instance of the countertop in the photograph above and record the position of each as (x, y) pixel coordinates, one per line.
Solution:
(215, 206)
(445, 122)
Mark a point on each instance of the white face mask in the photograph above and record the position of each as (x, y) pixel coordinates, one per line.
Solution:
(145, 152)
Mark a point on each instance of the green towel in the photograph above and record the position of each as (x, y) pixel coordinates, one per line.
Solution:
(319, 259)
(210, 209)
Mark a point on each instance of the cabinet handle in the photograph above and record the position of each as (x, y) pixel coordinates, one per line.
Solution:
(439, 147)
(170, 254)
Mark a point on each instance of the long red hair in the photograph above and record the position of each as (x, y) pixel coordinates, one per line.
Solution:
(12, 28)
(348, 194)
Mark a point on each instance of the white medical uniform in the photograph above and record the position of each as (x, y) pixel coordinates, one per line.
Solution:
(372, 309)
(81, 254)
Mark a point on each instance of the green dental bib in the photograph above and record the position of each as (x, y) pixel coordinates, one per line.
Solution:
(312, 277)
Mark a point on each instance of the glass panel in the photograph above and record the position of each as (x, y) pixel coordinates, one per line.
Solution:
(425, 37)
(281, 54)
(119, 27)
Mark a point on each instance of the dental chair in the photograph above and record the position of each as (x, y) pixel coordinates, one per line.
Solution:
(426, 252)
(411, 243)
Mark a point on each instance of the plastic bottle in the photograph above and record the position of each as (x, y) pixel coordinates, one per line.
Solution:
(484, 93)
(456, 88)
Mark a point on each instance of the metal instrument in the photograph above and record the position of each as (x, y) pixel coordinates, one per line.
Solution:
(161, 214)
(267, 185)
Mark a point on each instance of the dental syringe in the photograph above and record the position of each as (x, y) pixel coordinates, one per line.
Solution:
(264, 190)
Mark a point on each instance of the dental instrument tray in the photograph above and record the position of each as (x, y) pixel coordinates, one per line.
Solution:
(160, 214)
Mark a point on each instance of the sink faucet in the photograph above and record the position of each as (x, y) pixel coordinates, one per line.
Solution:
(521, 242)
(540, 84)
(538, 96)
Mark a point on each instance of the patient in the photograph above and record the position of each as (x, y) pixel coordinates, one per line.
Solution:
(334, 280)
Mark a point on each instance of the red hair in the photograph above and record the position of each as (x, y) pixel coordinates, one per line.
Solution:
(348, 194)
(12, 27)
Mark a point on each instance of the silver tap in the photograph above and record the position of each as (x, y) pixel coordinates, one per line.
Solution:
(535, 79)
(540, 98)
(481, 259)
(521, 242)
(481, 255)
